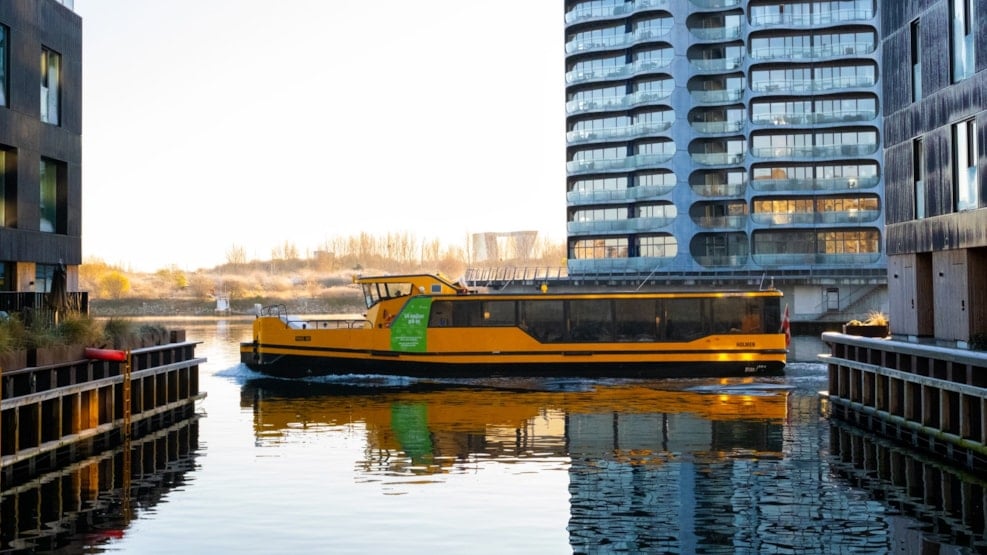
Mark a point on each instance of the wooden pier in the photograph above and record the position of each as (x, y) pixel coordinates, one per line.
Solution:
(929, 398)
(57, 414)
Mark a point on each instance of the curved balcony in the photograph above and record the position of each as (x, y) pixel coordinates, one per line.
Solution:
(713, 127)
(609, 266)
(617, 41)
(593, 12)
(828, 184)
(615, 133)
(813, 85)
(722, 222)
(722, 260)
(617, 226)
(839, 116)
(716, 97)
(719, 190)
(715, 4)
(816, 19)
(609, 103)
(617, 195)
(770, 53)
(616, 72)
(717, 64)
(716, 33)
(717, 158)
(806, 259)
(771, 219)
(824, 151)
(576, 167)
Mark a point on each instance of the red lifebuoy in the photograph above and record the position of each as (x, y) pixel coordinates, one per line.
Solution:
(106, 354)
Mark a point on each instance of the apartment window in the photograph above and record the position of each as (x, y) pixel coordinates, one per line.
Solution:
(918, 175)
(916, 62)
(962, 51)
(965, 162)
(51, 69)
(657, 246)
(611, 247)
(51, 207)
(4, 33)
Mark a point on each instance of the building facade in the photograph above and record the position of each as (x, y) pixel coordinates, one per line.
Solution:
(728, 141)
(40, 144)
(934, 134)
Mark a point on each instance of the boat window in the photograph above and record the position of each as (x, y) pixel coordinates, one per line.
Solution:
(441, 315)
(686, 319)
(543, 319)
(636, 320)
(590, 320)
(478, 313)
(373, 293)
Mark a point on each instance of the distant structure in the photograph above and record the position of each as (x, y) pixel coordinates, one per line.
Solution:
(934, 128)
(498, 247)
(40, 145)
(728, 140)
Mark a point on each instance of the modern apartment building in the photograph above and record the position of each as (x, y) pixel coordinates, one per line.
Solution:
(40, 144)
(728, 142)
(934, 137)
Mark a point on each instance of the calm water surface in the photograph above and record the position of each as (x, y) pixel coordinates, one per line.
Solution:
(391, 465)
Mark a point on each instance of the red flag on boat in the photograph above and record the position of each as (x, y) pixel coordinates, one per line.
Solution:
(786, 328)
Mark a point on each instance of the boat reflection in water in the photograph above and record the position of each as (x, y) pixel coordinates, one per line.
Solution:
(88, 503)
(614, 439)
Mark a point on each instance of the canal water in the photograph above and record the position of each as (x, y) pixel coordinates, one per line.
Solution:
(543, 466)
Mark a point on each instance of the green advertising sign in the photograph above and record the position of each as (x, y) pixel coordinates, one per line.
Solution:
(409, 328)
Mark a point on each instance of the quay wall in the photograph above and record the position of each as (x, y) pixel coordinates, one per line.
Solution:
(927, 397)
(56, 414)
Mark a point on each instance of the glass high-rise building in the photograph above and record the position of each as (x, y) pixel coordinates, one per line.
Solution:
(728, 140)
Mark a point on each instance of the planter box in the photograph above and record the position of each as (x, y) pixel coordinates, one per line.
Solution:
(867, 331)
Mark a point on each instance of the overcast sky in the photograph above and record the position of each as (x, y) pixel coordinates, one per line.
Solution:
(214, 123)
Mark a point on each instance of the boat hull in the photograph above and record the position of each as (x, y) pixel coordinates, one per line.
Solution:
(568, 364)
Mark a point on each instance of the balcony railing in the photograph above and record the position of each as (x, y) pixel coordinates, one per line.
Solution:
(717, 64)
(615, 72)
(810, 52)
(722, 222)
(618, 195)
(591, 266)
(625, 132)
(716, 33)
(814, 151)
(815, 19)
(628, 163)
(614, 41)
(617, 226)
(809, 218)
(827, 184)
(838, 116)
(803, 259)
(616, 102)
(720, 189)
(717, 126)
(722, 260)
(592, 12)
(720, 96)
(718, 158)
(812, 85)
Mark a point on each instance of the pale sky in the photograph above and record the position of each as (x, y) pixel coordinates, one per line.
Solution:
(214, 123)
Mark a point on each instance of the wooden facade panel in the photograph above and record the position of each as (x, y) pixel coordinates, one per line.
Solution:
(899, 205)
(951, 298)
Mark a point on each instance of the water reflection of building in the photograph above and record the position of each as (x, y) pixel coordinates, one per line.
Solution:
(94, 500)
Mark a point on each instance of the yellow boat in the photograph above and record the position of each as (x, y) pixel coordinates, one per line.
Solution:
(428, 325)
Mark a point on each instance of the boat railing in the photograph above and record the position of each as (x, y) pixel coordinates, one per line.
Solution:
(280, 312)
(327, 323)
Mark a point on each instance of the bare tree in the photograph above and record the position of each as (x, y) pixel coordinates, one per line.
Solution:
(236, 255)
